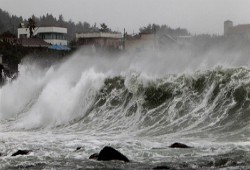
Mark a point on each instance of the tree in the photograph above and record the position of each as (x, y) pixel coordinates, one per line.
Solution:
(60, 18)
(61, 21)
(31, 25)
(163, 29)
(104, 28)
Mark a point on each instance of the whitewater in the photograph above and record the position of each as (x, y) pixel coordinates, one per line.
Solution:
(139, 103)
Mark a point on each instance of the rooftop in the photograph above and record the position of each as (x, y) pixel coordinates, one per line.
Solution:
(241, 28)
(33, 42)
(99, 35)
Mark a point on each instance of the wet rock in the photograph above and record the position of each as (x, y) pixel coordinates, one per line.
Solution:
(94, 156)
(21, 152)
(162, 167)
(108, 153)
(179, 145)
(78, 148)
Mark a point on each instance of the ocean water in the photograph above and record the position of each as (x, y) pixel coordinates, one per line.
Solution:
(139, 104)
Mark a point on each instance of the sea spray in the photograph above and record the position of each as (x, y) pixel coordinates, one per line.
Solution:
(62, 93)
(132, 102)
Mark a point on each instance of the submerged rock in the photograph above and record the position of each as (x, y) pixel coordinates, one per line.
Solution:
(107, 154)
(179, 145)
(162, 167)
(78, 148)
(94, 156)
(21, 152)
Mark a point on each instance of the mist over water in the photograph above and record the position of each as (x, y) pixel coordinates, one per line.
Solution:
(135, 102)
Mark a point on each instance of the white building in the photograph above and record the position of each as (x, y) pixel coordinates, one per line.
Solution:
(52, 35)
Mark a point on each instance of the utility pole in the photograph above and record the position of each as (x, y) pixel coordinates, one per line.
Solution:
(124, 38)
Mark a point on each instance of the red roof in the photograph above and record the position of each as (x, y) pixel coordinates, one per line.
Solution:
(241, 28)
(33, 42)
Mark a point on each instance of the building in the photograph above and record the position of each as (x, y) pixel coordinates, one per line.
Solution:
(33, 42)
(100, 39)
(52, 35)
(242, 30)
(140, 42)
(148, 41)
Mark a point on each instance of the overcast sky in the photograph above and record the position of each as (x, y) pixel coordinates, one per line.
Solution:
(198, 16)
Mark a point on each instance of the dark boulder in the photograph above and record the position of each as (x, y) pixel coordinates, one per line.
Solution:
(21, 152)
(94, 156)
(108, 153)
(162, 167)
(179, 145)
(78, 148)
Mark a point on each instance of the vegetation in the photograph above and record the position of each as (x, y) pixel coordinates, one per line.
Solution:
(12, 54)
(31, 25)
(164, 29)
(11, 23)
(104, 28)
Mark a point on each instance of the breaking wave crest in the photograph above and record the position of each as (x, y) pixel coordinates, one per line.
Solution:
(82, 96)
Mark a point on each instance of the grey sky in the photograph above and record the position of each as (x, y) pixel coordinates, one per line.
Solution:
(198, 16)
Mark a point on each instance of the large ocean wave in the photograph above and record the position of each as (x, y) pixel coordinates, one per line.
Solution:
(131, 95)
(137, 103)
